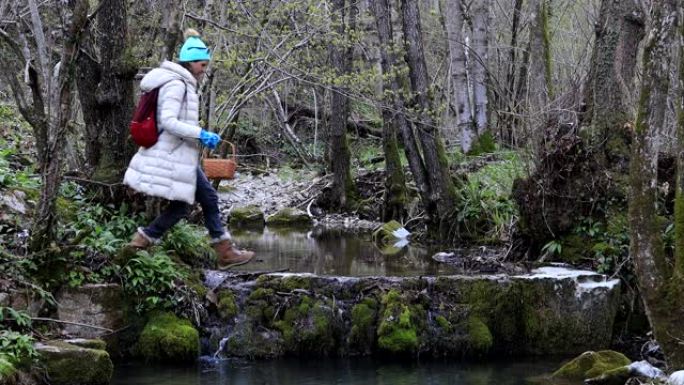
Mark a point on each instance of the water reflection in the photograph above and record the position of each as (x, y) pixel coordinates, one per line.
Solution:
(325, 252)
(360, 371)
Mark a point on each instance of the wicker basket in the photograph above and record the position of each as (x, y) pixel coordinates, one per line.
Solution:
(220, 168)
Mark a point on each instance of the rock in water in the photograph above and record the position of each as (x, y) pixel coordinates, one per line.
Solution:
(676, 378)
(590, 365)
(68, 364)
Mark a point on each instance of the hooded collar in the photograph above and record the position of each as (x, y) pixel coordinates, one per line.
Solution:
(166, 72)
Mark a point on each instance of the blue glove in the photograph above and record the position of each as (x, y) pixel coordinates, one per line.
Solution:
(209, 139)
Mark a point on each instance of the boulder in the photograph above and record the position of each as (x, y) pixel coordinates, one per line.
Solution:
(289, 217)
(68, 364)
(167, 338)
(99, 305)
(590, 365)
(246, 217)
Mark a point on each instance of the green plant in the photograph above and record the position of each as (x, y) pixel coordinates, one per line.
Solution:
(553, 247)
(150, 279)
(486, 210)
(17, 347)
(190, 244)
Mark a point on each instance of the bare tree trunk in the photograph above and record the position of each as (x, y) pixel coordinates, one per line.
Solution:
(660, 285)
(509, 121)
(607, 104)
(343, 191)
(539, 89)
(395, 183)
(454, 28)
(105, 84)
(479, 63)
(171, 31)
(442, 204)
(43, 229)
(382, 11)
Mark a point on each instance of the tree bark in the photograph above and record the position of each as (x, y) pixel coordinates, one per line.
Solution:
(395, 183)
(43, 229)
(105, 84)
(660, 285)
(619, 30)
(480, 60)
(454, 27)
(509, 121)
(442, 204)
(540, 90)
(343, 192)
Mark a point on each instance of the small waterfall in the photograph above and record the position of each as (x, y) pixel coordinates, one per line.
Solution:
(222, 344)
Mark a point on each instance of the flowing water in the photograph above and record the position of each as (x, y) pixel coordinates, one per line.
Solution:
(315, 371)
(325, 252)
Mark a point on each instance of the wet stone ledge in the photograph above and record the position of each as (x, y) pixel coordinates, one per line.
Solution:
(550, 311)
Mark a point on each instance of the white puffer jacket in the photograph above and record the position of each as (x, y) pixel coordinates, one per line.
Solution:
(169, 168)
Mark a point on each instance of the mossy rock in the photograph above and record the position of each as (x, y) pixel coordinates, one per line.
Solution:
(397, 331)
(618, 376)
(227, 307)
(289, 217)
(307, 327)
(67, 364)
(363, 319)
(8, 372)
(385, 234)
(247, 217)
(480, 337)
(167, 338)
(591, 364)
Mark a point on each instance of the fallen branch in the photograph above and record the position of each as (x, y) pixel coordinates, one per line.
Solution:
(70, 323)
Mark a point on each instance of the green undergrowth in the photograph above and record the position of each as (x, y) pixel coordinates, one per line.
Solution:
(486, 212)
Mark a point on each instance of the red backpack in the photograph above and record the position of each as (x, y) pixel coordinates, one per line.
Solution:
(144, 124)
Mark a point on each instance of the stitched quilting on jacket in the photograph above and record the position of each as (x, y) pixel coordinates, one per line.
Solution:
(169, 168)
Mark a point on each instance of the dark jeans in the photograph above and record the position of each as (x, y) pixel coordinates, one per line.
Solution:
(176, 210)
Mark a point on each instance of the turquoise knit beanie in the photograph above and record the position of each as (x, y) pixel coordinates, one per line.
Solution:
(194, 48)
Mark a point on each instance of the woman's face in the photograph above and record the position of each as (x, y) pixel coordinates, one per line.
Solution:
(197, 69)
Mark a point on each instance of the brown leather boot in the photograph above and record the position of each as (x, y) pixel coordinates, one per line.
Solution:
(227, 256)
(139, 241)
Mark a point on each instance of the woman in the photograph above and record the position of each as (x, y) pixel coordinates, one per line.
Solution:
(170, 168)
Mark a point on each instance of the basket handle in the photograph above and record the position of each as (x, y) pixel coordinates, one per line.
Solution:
(221, 149)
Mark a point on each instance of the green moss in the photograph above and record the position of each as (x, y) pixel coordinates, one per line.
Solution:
(69, 364)
(306, 327)
(7, 371)
(479, 337)
(295, 282)
(444, 323)
(484, 144)
(289, 217)
(67, 210)
(617, 376)
(194, 282)
(167, 338)
(249, 216)
(591, 364)
(226, 305)
(384, 234)
(397, 331)
(363, 316)
(260, 294)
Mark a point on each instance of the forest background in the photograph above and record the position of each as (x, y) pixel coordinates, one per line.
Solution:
(551, 128)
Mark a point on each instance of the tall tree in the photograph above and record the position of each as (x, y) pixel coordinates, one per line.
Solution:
(441, 206)
(343, 191)
(105, 87)
(395, 183)
(619, 30)
(480, 10)
(454, 14)
(49, 109)
(661, 285)
(540, 90)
